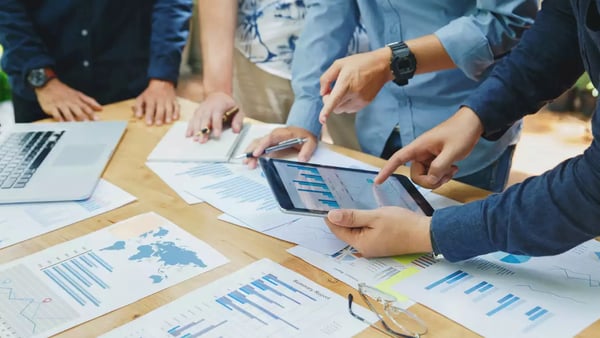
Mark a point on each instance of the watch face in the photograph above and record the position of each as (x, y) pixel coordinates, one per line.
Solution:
(403, 66)
(37, 77)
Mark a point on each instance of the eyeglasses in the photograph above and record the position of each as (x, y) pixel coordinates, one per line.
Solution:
(396, 321)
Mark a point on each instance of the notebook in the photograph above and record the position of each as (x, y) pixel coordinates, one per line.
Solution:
(176, 147)
(46, 162)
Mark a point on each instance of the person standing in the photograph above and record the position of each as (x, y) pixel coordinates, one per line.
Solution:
(544, 215)
(65, 59)
(247, 52)
(426, 58)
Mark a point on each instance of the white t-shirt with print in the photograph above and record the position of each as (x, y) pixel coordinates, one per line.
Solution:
(267, 32)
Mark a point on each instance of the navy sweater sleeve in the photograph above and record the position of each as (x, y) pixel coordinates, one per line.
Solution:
(170, 27)
(544, 215)
(20, 40)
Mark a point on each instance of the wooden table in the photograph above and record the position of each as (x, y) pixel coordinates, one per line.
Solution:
(242, 246)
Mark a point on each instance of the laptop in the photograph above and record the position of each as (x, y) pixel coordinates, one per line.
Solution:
(62, 161)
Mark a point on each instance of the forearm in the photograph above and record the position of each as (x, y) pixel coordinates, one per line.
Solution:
(430, 54)
(218, 19)
(545, 215)
(170, 28)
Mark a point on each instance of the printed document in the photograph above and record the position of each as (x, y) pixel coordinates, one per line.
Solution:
(65, 285)
(263, 299)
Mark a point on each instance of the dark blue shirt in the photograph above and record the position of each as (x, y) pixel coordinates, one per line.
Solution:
(107, 49)
(560, 209)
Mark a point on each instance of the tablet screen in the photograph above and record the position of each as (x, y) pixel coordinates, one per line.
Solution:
(323, 188)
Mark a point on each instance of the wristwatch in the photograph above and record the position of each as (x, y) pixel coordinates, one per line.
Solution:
(403, 63)
(38, 77)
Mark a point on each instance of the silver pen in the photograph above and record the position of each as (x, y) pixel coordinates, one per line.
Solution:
(280, 146)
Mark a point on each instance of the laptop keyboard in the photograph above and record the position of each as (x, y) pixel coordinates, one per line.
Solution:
(22, 153)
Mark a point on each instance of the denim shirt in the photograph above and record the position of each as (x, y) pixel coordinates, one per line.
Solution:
(560, 209)
(474, 33)
(105, 48)
(267, 32)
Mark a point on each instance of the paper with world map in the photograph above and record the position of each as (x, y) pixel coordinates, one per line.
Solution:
(50, 291)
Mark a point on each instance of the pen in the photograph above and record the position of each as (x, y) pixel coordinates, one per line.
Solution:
(280, 146)
(227, 117)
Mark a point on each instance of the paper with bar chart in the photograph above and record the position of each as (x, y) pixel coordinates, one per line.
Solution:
(65, 285)
(263, 299)
(22, 221)
(180, 176)
(505, 295)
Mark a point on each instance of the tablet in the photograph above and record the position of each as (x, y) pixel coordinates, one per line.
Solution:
(313, 189)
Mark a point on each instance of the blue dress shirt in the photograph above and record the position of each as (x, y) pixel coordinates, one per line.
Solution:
(474, 33)
(560, 209)
(108, 49)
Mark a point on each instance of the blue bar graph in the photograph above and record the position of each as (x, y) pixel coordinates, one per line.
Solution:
(324, 193)
(226, 302)
(205, 330)
(475, 288)
(313, 177)
(263, 297)
(330, 203)
(242, 299)
(485, 288)
(445, 279)
(100, 261)
(311, 170)
(178, 330)
(78, 276)
(274, 280)
(536, 313)
(532, 311)
(457, 278)
(505, 298)
(249, 290)
(505, 302)
(311, 184)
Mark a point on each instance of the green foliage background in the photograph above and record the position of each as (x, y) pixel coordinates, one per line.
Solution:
(4, 87)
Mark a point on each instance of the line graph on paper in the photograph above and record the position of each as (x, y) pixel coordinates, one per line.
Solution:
(585, 278)
(27, 306)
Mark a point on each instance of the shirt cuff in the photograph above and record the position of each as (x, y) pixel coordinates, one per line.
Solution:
(468, 48)
(459, 232)
(305, 114)
(164, 68)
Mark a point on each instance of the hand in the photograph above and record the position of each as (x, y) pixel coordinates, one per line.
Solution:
(64, 103)
(209, 114)
(281, 134)
(158, 103)
(434, 153)
(358, 78)
(387, 231)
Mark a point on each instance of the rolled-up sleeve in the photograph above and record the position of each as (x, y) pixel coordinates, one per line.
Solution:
(328, 28)
(477, 39)
(170, 27)
(23, 47)
(544, 215)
